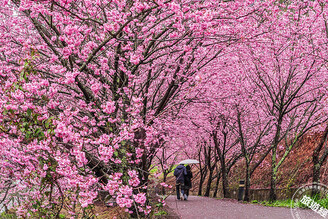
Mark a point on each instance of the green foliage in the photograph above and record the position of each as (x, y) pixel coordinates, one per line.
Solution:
(158, 208)
(289, 203)
(277, 203)
(28, 65)
(161, 212)
(171, 173)
(159, 205)
(153, 169)
(5, 215)
(320, 200)
(323, 202)
(31, 127)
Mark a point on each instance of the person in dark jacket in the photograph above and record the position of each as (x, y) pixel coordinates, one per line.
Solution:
(180, 172)
(187, 182)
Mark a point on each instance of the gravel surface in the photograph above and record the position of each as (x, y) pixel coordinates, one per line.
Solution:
(202, 207)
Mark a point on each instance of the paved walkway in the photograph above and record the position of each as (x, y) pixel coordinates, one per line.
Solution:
(208, 208)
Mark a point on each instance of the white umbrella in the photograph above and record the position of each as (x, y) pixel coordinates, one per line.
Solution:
(189, 161)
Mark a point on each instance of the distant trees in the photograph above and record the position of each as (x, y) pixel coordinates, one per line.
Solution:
(273, 87)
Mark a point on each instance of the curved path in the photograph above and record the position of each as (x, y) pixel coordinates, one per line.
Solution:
(202, 207)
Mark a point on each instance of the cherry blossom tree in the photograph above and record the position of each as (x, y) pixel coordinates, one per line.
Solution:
(84, 83)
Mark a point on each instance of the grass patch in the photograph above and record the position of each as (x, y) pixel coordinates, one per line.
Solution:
(288, 203)
(279, 203)
(323, 202)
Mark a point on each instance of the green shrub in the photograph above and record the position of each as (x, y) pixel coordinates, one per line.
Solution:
(5, 215)
(161, 213)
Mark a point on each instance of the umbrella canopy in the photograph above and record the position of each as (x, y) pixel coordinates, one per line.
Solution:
(189, 161)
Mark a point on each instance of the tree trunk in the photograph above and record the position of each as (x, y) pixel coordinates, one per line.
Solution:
(223, 164)
(200, 187)
(164, 180)
(203, 173)
(316, 178)
(215, 193)
(247, 182)
(246, 156)
(202, 170)
(316, 172)
(225, 183)
(273, 196)
(209, 182)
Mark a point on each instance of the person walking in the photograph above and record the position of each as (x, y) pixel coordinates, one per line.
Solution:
(187, 182)
(180, 172)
